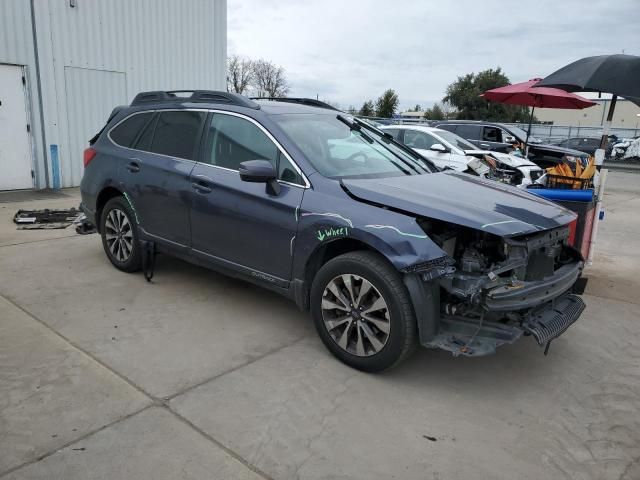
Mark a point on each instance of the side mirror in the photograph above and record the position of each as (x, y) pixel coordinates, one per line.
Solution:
(510, 139)
(260, 171)
(438, 147)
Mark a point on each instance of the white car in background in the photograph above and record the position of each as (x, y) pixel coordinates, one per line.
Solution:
(448, 150)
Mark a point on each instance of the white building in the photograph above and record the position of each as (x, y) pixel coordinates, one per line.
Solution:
(65, 64)
(626, 114)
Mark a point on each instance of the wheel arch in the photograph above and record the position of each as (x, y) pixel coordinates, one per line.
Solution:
(104, 196)
(322, 254)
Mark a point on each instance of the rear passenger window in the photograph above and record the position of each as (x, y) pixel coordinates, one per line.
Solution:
(177, 133)
(125, 133)
(146, 137)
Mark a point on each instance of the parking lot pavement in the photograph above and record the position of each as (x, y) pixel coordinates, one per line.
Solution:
(52, 393)
(153, 444)
(239, 385)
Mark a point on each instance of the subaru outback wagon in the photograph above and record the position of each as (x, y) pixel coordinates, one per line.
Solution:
(385, 250)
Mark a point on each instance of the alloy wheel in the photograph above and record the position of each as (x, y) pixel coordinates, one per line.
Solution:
(356, 315)
(119, 234)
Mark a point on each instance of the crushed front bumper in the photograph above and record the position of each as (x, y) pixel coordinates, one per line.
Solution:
(550, 322)
(472, 338)
(532, 293)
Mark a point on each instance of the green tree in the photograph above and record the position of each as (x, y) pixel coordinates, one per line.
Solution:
(387, 104)
(464, 95)
(367, 109)
(434, 113)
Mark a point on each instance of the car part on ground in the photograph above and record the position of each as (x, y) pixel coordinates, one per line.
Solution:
(335, 214)
(46, 219)
(84, 226)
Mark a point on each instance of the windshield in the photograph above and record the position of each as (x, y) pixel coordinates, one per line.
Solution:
(522, 135)
(456, 140)
(342, 149)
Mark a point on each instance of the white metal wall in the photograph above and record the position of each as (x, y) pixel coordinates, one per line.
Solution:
(152, 44)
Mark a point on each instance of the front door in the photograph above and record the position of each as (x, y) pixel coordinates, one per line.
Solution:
(156, 174)
(422, 142)
(239, 223)
(15, 148)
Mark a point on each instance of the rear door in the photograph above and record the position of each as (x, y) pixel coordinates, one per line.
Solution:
(237, 223)
(156, 173)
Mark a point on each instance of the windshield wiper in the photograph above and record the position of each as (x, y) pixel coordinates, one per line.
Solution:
(388, 139)
(354, 127)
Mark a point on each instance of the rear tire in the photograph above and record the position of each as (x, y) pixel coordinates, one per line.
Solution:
(119, 232)
(362, 311)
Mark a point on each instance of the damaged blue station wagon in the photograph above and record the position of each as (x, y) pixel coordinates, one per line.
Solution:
(383, 248)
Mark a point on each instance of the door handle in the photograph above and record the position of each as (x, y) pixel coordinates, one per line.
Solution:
(201, 187)
(133, 167)
(485, 145)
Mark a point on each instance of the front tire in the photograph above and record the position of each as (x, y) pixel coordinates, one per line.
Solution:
(362, 311)
(120, 235)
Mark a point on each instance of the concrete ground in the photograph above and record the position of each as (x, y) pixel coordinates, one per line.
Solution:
(105, 376)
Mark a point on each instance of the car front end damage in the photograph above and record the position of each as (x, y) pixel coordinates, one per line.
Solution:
(489, 290)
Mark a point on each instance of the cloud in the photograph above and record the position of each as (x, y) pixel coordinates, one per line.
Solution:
(348, 52)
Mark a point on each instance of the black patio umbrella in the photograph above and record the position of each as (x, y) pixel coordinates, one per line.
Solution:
(615, 74)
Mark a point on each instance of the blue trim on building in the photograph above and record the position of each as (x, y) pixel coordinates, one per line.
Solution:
(55, 167)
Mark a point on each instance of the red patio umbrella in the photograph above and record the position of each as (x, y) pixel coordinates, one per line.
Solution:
(527, 94)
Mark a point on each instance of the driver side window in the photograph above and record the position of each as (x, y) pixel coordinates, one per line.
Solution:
(231, 140)
(419, 140)
(492, 134)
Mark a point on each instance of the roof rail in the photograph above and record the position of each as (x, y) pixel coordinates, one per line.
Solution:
(197, 96)
(311, 102)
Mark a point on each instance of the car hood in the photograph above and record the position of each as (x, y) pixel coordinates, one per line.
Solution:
(463, 199)
(510, 160)
(556, 148)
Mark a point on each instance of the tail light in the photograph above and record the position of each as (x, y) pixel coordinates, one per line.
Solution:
(89, 154)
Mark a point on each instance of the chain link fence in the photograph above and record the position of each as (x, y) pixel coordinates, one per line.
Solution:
(556, 133)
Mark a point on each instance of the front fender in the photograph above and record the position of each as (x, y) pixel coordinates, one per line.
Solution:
(324, 218)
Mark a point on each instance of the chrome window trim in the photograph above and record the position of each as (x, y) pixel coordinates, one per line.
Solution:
(306, 185)
(276, 143)
(153, 111)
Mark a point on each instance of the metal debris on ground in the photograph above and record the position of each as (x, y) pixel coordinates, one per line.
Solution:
(46, 219)
(83, 226)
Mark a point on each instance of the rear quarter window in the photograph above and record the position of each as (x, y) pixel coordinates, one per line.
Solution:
(177, 133)
(126, 132)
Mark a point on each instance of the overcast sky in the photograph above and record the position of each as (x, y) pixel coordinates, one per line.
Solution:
(351, 51)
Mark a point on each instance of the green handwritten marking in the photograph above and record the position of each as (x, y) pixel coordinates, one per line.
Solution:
(404, 234)
(332, 232)
(135, 214)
